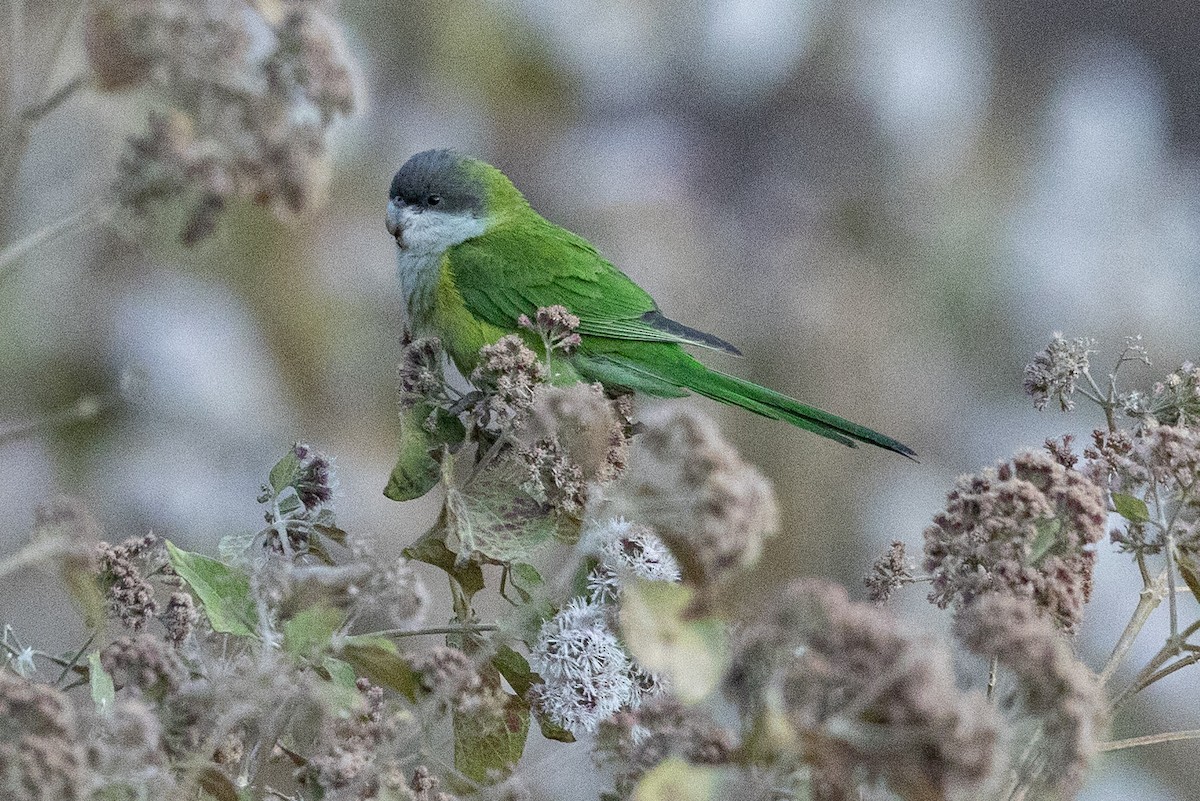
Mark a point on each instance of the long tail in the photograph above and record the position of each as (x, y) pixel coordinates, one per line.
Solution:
(666, 376)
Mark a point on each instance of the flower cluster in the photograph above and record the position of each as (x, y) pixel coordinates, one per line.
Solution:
(587, 674)
(41, 758)
(1052, 686)
(507, 374)
(634, 741)
(1028, 527)
(248, 95)
(556, 326)
(1054, 371)
(712, 509)
(864, 695)
(625, 550)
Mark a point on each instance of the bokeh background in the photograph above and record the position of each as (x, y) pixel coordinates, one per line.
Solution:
(889, 205)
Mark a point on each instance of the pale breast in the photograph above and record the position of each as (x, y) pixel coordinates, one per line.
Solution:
(418, 282)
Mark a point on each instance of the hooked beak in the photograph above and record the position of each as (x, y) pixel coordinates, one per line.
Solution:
(394, 222)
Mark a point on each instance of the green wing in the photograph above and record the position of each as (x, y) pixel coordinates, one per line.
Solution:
(517, 268)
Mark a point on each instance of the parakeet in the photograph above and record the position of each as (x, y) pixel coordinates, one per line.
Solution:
(474, 257)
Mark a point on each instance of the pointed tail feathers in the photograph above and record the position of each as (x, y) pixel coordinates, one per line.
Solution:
(777, 406)
(662, 372)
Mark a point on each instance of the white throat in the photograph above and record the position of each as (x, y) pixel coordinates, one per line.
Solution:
(427, 235)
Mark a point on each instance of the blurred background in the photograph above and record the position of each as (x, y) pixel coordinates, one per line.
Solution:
(888, 205)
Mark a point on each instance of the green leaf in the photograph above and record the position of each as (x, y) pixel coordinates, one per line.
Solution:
(1047, 538)
(325, 524)
(417, 471)
(103, 692)
(216, 784)
(285, 472)
(1131, 507)
(379, 660)
(691, 654)
(224, 591)
(516, 671)
(232, 548)
(309, 632)
(487, 751)
(340, 673)
(675, 780)
(496, 518)
(431, 549)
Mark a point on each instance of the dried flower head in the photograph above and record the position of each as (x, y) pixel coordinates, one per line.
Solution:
(625, 550)
(1054, 371)
(688, 484)
(633, 742)
(314, 483)
(1052, 686)
(587, 675)
(507, 373)
(143, 664)
(352, 743)
(41, 758)
(556, 326)
(420, 371)
(130, 595)
(866, 696)
(1027, 527)
(247, 97)
(425, 787)
(890, 572)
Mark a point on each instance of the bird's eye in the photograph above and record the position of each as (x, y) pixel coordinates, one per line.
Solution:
(433, 200)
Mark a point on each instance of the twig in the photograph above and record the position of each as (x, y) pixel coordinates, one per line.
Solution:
(88, 217)
(992, 670)
(1148, 600)
(1150, 739)
(32, 554)
(465, 628)
(86, 408)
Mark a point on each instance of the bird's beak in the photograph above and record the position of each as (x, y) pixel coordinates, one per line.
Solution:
(395, 222)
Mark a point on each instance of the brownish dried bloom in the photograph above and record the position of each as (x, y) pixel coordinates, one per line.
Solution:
(1062, 452)
(1028, 527)
(1054, 371)
(507, 373)
(866, 698)
(247, 95)
(143, 663)
(449, 676)
(130, 595)
(1052, 685)
(632, 742)
(425, 787)
(180, 617)
(41, 758)
(890, 572)
(585, 423)
(352, 744)
(686, 482)
(420, 371)
(556, 326)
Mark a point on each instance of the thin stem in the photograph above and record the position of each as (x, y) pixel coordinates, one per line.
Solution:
(89, 216)
(1148, 600)
(992, 671)
(32, 554)
(16, 133)
(86, 408)
(464, 628)
(1151, 739)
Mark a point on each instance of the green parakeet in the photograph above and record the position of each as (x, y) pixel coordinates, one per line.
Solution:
(474, 257)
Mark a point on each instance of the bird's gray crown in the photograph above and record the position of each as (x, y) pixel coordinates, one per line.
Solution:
(438, 179)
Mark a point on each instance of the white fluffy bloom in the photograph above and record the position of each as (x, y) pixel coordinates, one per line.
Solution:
(626, 549)
(587, 673)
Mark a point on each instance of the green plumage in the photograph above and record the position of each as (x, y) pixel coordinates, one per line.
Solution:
(521, 262)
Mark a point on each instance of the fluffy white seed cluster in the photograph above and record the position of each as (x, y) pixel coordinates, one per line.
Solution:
(626, 550)
(587, 675)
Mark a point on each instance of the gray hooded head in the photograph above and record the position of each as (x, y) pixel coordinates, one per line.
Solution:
(440, 179)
